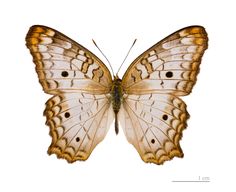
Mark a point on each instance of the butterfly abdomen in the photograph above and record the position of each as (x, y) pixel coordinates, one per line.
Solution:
(116, 96)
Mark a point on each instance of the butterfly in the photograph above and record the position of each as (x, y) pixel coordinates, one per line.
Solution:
(87, 98)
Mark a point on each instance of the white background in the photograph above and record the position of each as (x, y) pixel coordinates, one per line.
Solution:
(208, 142)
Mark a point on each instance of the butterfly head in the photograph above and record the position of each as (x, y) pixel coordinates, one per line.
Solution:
(116, 78)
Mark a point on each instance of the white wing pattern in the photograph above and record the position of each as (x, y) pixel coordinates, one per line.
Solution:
(78, 122)
(79, 113)
(64, 65)
(153, 116)
(85, 97)
(170, 66)
(153, 123)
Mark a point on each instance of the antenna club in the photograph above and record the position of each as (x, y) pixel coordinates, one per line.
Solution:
(94, 42)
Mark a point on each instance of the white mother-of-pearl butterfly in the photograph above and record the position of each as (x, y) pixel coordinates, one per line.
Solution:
(86, 98)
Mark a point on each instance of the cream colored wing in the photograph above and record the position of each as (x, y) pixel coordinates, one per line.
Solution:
(78, 122)
(78, 112)
(153, 116)
(64, 65)
(170, 66)
(153, 124)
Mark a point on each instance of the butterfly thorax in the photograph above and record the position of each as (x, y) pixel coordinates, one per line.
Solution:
(116, 98)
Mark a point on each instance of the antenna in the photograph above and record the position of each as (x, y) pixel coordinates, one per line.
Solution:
(126, 56)
(104, 56)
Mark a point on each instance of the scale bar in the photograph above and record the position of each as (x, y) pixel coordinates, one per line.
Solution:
(192, 181)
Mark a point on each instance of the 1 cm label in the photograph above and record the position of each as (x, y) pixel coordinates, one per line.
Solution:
(205, 179)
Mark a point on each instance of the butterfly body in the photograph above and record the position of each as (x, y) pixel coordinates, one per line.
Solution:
(116, 97)
(145, 101)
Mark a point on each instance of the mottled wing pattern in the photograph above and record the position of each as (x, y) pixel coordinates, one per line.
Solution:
(64, 65)
(153, 123)
(170, 66)
(79, 112)
(78, 122)
(153, 116)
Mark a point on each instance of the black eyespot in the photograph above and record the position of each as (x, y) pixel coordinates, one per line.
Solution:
(165, 117)
(67, 114)
(153, 141)
(77, 139)
(64, 74)
(169, 74)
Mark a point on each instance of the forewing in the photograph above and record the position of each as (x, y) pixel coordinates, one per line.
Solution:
(170, 66)
(64, 65)
(153, 124)
(78, 122)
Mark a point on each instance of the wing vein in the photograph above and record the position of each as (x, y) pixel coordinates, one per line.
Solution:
(148, 122)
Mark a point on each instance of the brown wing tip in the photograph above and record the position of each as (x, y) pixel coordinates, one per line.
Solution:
(63, 151)
(151, 158)
(67, 155)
